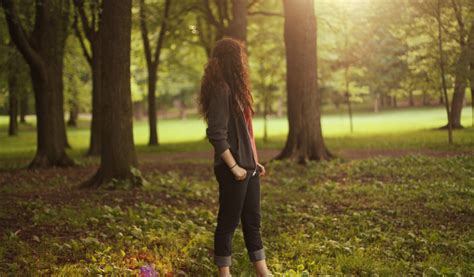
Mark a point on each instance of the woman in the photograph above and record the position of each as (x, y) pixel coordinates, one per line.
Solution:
(226, 104)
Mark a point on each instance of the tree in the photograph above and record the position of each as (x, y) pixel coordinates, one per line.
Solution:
(43, 49)
(231, 23)
(471, 70)
(268, 73)
(442, 69)
(462, 67)
(93, 57)
(153, 62)
(305, 140)
(118, 157)
(77, 81)
(13, 92)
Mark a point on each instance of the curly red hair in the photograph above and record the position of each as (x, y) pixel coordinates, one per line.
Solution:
(227, 66)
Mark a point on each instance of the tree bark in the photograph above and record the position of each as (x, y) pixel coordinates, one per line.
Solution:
(376, 102)
(44, 51)
(118, 157)
(442, 71)
(93, 57)
(153, 62)
(347, 94)
(238, 26)
(305, 140)
(425, 98)
(461, 73)
(13, 103)
(460, 84)
(73, 113)
(471, 75)
(411, 101)
(23, 108)
(233, 25)
(95, 144)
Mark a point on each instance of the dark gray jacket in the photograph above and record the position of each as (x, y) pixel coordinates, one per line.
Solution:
(226, 128)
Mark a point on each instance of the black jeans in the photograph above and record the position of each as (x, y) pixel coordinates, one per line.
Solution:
(238, 200)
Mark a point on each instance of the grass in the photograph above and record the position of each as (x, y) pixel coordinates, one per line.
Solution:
(386, 128)
(383, 215)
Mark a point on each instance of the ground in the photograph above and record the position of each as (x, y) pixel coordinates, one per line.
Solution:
(390, 204)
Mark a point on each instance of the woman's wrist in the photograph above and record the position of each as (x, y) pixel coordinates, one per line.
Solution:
(235, 164)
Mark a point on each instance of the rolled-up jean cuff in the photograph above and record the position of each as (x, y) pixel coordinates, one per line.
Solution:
(222, 261)
(257, 255)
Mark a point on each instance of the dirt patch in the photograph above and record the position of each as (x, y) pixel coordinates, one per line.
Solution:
(358, 154)
(196, 159)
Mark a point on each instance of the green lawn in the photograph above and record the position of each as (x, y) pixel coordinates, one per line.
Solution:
(189, 134)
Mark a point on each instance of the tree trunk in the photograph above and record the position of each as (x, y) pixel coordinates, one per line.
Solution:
(13, 103)
(96, 122)
(472, 94)
(471, 79)
(425, 98)
(182, 109)
(348, 98)
(349, 110)
(305, 140)
(152, 118)
(153, 62)
(471, 69)
(118, 156)
(411, 101)
(94, 59)
(442, 72)
(266, 104)
(73, 108)
(23, 108)
(73, 113)
(139, 109)
(238, 26)
(44, 53)
(217, 27)
(460, 84)
(376, 102)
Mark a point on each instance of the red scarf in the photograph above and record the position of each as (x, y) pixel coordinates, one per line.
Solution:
(248, 121)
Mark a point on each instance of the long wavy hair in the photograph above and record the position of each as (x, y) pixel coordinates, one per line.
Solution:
(227, 66)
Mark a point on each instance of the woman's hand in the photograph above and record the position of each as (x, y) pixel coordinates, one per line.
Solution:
(262, 169)
(239, 172)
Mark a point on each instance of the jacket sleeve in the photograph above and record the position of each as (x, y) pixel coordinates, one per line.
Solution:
(218, 117)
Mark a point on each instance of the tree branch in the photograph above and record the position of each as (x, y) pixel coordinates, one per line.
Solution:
(220, 10)
(94, 7)
(79, 4)
(19, 36)
(144, 32)
(161, 36)
(458, 14)
(81, 40)
(210, 16)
